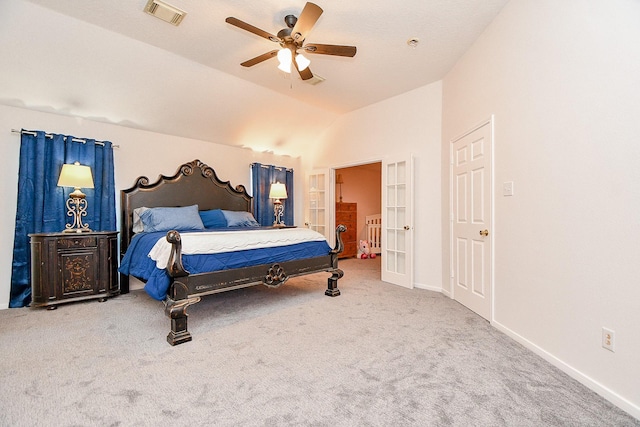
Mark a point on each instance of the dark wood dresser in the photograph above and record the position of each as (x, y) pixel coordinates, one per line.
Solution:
(347, 215)
(68, 267)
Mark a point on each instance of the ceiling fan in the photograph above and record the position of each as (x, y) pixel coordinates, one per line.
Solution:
(291, 40)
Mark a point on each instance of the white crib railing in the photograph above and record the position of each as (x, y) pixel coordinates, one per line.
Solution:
(374, 233)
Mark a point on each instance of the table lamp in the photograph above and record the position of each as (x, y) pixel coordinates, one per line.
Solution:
(278, 191)
(76, 176)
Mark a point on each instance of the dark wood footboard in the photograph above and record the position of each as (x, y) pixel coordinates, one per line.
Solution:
(187, 289)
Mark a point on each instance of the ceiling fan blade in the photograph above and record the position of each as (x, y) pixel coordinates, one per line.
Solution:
(307, 19)
(259, 59)
(330, 49)
(305, 74)
(248, 27)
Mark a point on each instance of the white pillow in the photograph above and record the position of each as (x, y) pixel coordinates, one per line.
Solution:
(137, 222)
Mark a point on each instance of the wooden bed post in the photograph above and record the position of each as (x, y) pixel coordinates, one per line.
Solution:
(178, 299)
(176, 309)
(332, 282)
(332, 286)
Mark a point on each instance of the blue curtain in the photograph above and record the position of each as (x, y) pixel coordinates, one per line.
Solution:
(41, 203)
(262, 178)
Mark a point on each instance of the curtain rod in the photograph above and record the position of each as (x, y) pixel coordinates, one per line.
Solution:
(48, 135)
(280, 168)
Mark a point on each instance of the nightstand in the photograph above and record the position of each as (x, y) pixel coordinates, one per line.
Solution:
(68, 267)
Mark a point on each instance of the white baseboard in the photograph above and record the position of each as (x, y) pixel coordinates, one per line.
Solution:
(433, 288)
(4, 305)
(427, 287)
(607, 393)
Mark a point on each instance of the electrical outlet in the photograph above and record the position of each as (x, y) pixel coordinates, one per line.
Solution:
(608, 339)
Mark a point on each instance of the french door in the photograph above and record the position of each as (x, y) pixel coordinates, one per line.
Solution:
(397, 221)
(317, 212)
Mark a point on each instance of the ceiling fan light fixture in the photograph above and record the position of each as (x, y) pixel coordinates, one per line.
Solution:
(291, 39)
(302, 62)
(284, 57)
(285, 67)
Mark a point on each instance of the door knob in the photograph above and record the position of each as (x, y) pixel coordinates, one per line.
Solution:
(406, 227)
(484, 232)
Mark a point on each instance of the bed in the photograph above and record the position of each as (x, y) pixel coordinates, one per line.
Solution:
(190, 276)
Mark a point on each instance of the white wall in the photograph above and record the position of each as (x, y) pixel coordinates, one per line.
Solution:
(406, 124)
(141, 153)
(561, 78)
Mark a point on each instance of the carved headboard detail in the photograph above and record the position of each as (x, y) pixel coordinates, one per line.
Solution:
(194, 183)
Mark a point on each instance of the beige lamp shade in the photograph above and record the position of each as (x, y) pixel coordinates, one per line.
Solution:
(75, 175)
(278, 191)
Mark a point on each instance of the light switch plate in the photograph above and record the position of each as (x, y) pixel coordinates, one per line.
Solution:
(507, 188)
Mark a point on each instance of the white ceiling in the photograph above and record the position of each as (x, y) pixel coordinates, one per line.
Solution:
(384, 65)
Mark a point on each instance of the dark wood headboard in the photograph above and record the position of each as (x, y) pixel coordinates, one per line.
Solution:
(194, 183)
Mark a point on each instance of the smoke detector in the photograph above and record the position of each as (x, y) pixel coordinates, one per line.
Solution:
(165, 11)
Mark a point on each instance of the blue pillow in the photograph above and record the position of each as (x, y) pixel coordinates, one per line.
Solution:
(240, 219)
(213, 219)
(165, 219)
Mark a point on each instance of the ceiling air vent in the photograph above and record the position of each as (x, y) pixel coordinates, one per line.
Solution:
(164, 11)
(315, 80)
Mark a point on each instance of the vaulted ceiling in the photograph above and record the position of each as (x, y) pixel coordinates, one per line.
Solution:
(110, 61)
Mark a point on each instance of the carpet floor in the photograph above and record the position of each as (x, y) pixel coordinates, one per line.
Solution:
(378, 355)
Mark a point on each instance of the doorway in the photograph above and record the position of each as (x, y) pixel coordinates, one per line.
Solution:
(358, 199)
(392, 195)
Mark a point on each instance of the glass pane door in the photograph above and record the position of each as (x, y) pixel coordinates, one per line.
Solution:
(397, 260)
(317, 206)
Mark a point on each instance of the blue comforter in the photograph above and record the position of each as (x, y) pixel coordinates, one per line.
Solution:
(137, 263)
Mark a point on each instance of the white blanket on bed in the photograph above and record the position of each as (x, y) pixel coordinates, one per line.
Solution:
(214, 242)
